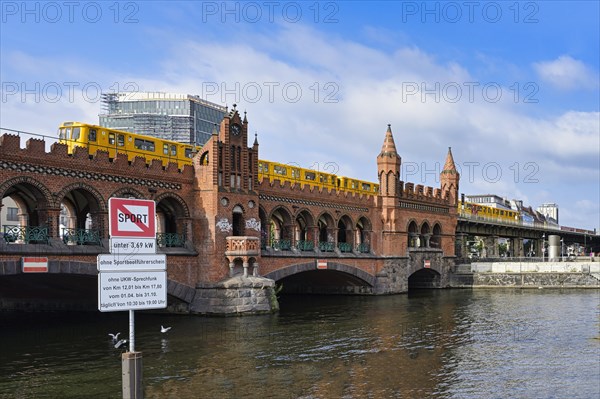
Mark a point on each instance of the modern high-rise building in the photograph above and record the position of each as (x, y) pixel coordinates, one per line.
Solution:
(549, 210)
(180, 117)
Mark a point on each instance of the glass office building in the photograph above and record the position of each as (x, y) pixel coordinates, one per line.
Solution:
(179, 117)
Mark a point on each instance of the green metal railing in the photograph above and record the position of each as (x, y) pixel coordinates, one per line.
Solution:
(81, 236)
(363, 248)
(345, 246)
(170, 240)
(303, 245)
(326, 246)
(27, 234)
(282, 245)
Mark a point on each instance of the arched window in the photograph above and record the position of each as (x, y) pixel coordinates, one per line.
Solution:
(238, 221)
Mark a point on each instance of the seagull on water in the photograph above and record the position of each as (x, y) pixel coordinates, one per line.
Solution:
(115, 337)
(164, 329)
(121, 342)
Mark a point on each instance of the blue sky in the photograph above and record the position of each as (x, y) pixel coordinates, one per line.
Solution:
(512, 87)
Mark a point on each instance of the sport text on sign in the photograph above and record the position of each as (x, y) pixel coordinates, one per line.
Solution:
(132, 218)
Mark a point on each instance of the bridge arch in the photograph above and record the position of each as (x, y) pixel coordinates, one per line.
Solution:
(413, 234)
(424, 278)
(436, 236)
(82, 207)
(298, 268)
(363, 230)
(280, 228)
(34, 200)
(345, 233)
(326, 226)
(304, 226)
(173, 215)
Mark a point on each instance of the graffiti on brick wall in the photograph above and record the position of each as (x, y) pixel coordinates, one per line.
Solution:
(224, 225)
(253, 224)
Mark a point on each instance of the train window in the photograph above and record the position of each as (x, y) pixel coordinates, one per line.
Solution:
(501, 213)
(280, 170)
(121, 140)
(173, 150)
(111, 138)
(366, 187)
(76, 132)
(309, 175)
(189, 153)
(61, 133)
(165, 149)
(145, 145)
(295, 173)
(92, 135)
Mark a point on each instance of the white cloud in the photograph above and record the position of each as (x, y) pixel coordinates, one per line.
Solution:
(567, 73)
(368, 89)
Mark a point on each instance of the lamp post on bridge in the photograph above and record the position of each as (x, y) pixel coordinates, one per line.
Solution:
(562, 256)
(543, 246)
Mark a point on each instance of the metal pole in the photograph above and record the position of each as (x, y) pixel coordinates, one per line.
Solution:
(131, 331)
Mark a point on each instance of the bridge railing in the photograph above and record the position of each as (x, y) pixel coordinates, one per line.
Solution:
(326, 246)
(170, 240)
(303, 245)
(345, 246)
(281, 244)
(26, 234)
(363, 248)
(81, 236)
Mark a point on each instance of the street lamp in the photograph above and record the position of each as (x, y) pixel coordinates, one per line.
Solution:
(543, 246)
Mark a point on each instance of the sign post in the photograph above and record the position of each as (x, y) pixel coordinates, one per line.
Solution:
(133, 276)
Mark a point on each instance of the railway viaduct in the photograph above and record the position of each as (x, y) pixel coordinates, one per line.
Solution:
(229, 236)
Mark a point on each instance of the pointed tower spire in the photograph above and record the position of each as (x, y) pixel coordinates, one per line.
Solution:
(449, 166)
(450, 178)
(389, 147)
(255, 138)
(388, 166)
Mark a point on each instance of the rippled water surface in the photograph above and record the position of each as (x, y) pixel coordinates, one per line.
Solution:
(438, 344)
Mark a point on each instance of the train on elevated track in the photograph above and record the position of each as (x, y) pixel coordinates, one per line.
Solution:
(96, 138)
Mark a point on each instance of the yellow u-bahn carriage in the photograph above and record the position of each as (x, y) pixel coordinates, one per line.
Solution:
(95, 138)
(476, 210)
(313, 178)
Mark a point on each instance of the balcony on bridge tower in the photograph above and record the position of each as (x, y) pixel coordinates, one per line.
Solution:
(245, 248)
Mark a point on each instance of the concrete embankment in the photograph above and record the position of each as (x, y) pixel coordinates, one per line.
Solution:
(526, 275)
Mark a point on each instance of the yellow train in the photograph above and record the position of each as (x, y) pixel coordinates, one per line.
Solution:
(472, 209)
(313, 178)
(76, 134)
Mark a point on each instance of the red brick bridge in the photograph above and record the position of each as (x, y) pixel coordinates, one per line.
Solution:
(218, 222)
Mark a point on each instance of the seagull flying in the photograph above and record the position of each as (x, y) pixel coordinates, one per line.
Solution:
(121, 342)
(115, 337)
(164, 329)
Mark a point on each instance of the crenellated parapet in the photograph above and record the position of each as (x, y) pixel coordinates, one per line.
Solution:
(282, 188)
(58, 156)
(422, 193)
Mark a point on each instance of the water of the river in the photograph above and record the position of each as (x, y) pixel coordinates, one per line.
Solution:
(433, 344)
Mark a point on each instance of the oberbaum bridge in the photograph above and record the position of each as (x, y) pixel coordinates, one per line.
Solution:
(222, 229)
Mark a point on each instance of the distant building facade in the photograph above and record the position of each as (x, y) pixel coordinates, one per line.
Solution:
(179, 117)
(491, 200)
(550, 211)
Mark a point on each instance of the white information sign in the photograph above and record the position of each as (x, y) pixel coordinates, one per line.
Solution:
(132, 246)
(124, 262)
(132, 290)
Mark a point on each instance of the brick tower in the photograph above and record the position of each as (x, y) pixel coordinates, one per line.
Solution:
(388, 170)
(449, 178)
